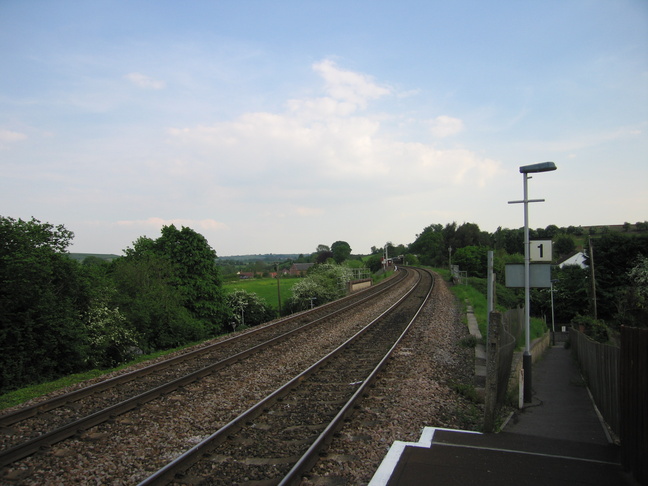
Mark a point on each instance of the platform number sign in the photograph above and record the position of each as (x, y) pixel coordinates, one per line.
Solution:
(540, 251)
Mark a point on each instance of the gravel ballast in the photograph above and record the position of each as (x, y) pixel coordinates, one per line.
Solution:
(419, 387)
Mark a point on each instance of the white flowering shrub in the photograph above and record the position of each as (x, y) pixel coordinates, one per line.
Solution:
(639, 278)
(247, 309)
(325, 282)
(110, 339)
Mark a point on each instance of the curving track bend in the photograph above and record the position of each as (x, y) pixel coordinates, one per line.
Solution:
(116, 430)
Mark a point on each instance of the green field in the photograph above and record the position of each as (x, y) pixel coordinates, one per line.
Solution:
(266, 288)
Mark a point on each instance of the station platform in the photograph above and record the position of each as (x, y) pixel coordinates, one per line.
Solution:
(558, 439)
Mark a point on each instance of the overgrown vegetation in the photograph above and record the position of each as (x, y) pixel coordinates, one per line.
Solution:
(324, 283)
(63, 316)
(474, 292)
(24, 394)
(60, 316)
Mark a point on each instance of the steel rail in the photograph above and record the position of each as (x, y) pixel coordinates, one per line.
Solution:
(310, 457)
(60, 401)
(183, 462)
(27, 448)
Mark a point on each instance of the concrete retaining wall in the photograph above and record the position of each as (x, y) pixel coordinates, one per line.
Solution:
(538, 347)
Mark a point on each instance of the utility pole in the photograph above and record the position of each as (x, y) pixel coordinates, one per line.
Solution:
(278, 288)
(450, 259)
(592, 279)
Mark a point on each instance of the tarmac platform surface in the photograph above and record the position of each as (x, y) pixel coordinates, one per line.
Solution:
(558, 439)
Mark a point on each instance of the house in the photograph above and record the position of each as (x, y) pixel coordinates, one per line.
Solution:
(577, 258)
(283, 273)
(244, 275)
(300, 269)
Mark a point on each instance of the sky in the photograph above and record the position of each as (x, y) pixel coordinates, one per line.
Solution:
(277, 126)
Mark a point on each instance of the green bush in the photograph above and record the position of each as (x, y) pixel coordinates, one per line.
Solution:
(594, 328)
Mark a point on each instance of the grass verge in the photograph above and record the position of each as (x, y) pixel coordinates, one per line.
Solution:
(22, 395)
(471, 295)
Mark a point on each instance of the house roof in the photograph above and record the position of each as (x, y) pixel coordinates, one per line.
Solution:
(576, 258)
(301, 266)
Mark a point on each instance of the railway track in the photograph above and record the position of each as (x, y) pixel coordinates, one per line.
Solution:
(69, 415)
(278, 439)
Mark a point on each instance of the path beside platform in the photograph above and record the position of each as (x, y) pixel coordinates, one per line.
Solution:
(557, 439)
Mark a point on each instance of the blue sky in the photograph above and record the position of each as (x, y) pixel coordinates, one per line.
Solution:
(272, 127)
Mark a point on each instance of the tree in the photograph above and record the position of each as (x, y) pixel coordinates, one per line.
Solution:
(449, 232)
(469, 234)
(341, 251)
(594, 328)
(615, 254)
(510, 240)
(551, 231)
(195, 273)
(633, 308)
(473, 259)
(374, 262)
(148, 296)
(429, 245)
(564, 245)
(570, 294)
(323, 257)
(639, 278)
(41, 299)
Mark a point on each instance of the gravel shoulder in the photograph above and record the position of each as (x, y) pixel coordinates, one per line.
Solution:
(421, 386)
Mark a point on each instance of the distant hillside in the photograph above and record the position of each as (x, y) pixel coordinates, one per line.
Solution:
(267, 257)
(82, 256)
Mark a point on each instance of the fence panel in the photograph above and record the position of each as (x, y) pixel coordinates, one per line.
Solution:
(505, 359)
(600, 367)
(634, 400)
(513, 320)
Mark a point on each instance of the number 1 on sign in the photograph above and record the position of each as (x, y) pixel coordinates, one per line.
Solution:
(540, 250)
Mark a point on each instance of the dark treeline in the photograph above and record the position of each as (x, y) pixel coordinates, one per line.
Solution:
(60, 316)
(618, 297)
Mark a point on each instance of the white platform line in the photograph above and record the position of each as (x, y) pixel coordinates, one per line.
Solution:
(386, 469)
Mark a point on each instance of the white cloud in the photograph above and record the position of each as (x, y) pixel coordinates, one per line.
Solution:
(143, 81)
(154, 222)
(306, 212)
(347, 86)
(445, 126)
(319, 141)
(9, 136)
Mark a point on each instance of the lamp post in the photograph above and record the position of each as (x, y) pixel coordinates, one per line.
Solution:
(525, 170)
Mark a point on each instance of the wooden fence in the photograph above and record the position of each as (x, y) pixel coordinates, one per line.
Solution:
(600, 367)
(634, 401)
(618, 380)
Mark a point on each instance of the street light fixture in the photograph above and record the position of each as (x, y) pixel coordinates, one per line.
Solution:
(525, 170)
